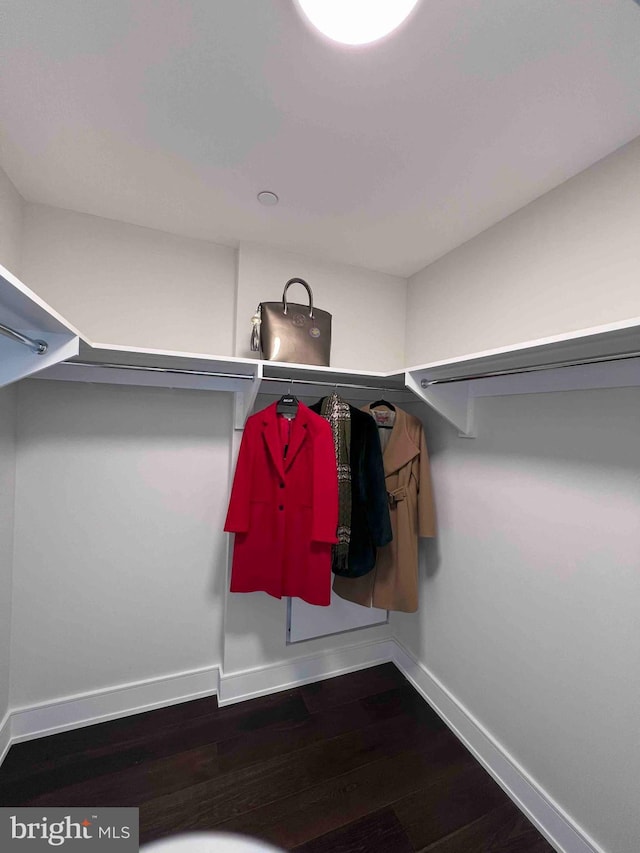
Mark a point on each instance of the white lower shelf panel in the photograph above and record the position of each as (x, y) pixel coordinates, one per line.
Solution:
(24, 313)
(18, 362)
(455, 401)
(607, 357)
(306, 622)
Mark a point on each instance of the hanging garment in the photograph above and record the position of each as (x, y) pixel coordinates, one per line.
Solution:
(370, 523)
(393, 584)
(284, 506)
(335, 410)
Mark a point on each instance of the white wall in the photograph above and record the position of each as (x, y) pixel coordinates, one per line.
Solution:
(7, 489)
(120, 558)
(368, 308)
(529, 593)
(567, 261)
(11, 212)
(127, 285)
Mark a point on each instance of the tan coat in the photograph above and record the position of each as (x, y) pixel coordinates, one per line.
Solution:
(393, 583)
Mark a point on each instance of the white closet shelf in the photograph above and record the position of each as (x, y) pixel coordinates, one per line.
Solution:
(114, 354)
(600, 357)
(112, 363)
(27, 320)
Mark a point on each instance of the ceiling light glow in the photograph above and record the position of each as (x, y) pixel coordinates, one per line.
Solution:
(356, 21)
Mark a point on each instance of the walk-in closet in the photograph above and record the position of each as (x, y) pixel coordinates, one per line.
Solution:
(320, 425)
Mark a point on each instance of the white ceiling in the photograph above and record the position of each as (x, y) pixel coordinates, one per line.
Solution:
(174, 113)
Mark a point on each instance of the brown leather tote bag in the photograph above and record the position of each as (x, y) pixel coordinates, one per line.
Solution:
(288, 331)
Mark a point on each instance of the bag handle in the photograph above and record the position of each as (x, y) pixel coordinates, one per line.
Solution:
(285, 307)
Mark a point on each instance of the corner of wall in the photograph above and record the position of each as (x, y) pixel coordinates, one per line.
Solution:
(558, 827)
(8, 430)
(234, 311)
(12, 207)
(407, 352)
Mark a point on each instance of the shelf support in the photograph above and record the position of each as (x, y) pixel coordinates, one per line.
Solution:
(453, 398)
(244, 400)
(454, 402)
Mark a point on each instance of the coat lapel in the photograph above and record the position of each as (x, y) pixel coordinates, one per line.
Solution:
(299, 431)
(272, 438)
(271, 432)
(401, 448)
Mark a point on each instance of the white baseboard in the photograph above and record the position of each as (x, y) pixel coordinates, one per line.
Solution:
(101, 705)
(260, 681)
(5, 736)
(553, 822)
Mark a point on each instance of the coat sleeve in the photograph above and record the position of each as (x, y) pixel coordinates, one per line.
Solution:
(238, 512)
(426, 507)
(325, 487)
(376, 500)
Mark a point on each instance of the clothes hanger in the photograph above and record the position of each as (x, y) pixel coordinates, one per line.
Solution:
(382, 403)
(288, 403)
(389, 406)
(334, 393)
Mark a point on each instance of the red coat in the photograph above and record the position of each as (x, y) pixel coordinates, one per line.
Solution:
(284, 509)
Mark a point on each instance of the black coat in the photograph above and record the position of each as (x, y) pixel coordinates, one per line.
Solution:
(370, 520)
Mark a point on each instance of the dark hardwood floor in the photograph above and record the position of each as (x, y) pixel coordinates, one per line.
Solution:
(354, 764)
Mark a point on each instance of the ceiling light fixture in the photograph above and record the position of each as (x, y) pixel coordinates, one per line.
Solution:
(356, 21)
(267, 198)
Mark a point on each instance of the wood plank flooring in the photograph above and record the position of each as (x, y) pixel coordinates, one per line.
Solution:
(354, 764)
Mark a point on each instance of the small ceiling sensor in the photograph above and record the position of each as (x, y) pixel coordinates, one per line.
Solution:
(356, 21)
(267, 198)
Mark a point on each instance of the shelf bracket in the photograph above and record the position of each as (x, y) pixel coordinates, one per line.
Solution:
(244, 400)
(454, 402)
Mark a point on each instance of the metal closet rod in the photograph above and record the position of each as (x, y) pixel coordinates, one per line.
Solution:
(426, 383)
(37, 346)
(331, 384)
(181, 371)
